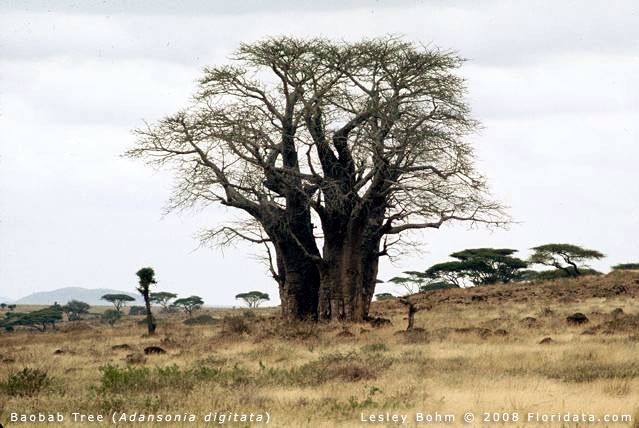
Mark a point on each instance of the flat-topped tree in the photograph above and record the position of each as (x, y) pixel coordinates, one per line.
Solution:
(118, 300)
(189, 304)
(75, 309)
(384, 296)
(491, 265)
(413, 281)
(3, 306)
(146, 278)
(347, 146)
(480, 266)
(253, 298)
(566, 257)
(163, 298)
(38, 320)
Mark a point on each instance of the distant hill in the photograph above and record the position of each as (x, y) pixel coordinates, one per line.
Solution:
(63, 295)
(5, 300)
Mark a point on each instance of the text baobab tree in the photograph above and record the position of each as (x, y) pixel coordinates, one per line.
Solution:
(334, 151)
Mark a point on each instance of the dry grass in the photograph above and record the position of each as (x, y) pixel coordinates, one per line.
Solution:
(316, 376)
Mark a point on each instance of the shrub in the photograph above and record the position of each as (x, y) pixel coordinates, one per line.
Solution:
(375, 347)
(111, 316)
(626, 266)
(137, 310)
(26, 382)
(200, 320)
(248, 314)
(236, 325)
(349, 367)
(143, 379)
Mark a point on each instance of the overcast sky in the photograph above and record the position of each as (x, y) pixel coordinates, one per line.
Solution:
(554, 84)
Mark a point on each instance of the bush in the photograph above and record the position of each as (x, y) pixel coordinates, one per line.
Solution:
(137, 310)
(236, 325)
(143, 379)
(626, 266)
(248, 314)
(111, 316)
(375, 347)
(200, 320)
(26, 382)
(331, 367)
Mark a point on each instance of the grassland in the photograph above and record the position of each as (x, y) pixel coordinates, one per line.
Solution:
(478, 352)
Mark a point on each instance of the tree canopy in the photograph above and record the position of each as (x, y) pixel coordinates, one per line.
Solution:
(118, 300)
(480, 266)
(189, 304)
(75, 309)
(253, 298)
(566, 257)
(334, 151)
(38, 320)
(163, 298)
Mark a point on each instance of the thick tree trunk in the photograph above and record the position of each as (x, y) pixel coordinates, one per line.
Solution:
(149, 315)
(298, 283)
(347, 277)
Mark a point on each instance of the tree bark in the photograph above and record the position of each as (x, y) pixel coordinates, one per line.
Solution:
(298, 283)
(149, 315)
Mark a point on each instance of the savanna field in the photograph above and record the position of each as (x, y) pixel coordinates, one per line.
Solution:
(473, 350)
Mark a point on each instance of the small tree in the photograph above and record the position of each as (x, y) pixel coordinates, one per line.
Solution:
(567, 257)
(189, 304)
(253, 298)
(480, 266)
(38, 320)
(75, 309)
(412, 310)
(146, 278)
(3, 306)
(11, 307)
(490, 265)
(384, 296)
(118, 300)
(163, 298)
(111, 316)
(413, 282)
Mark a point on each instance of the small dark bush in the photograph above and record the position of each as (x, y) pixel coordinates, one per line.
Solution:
(375, 347)
(626, 266)
(200, 320)
(26, 382)
(137, 310)
(248, 314)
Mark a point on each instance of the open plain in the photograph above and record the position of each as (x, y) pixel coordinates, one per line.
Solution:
(503, 350)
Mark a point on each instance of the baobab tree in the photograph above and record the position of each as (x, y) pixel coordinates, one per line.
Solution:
(334, 151)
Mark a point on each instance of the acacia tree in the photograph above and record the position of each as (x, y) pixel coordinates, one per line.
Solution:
(189, 304)
(163, 298)
(413, 282)
(118, 300)
(567, 257)
(367, 139)
(146, 278)
(75, 309)
(253, 298)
